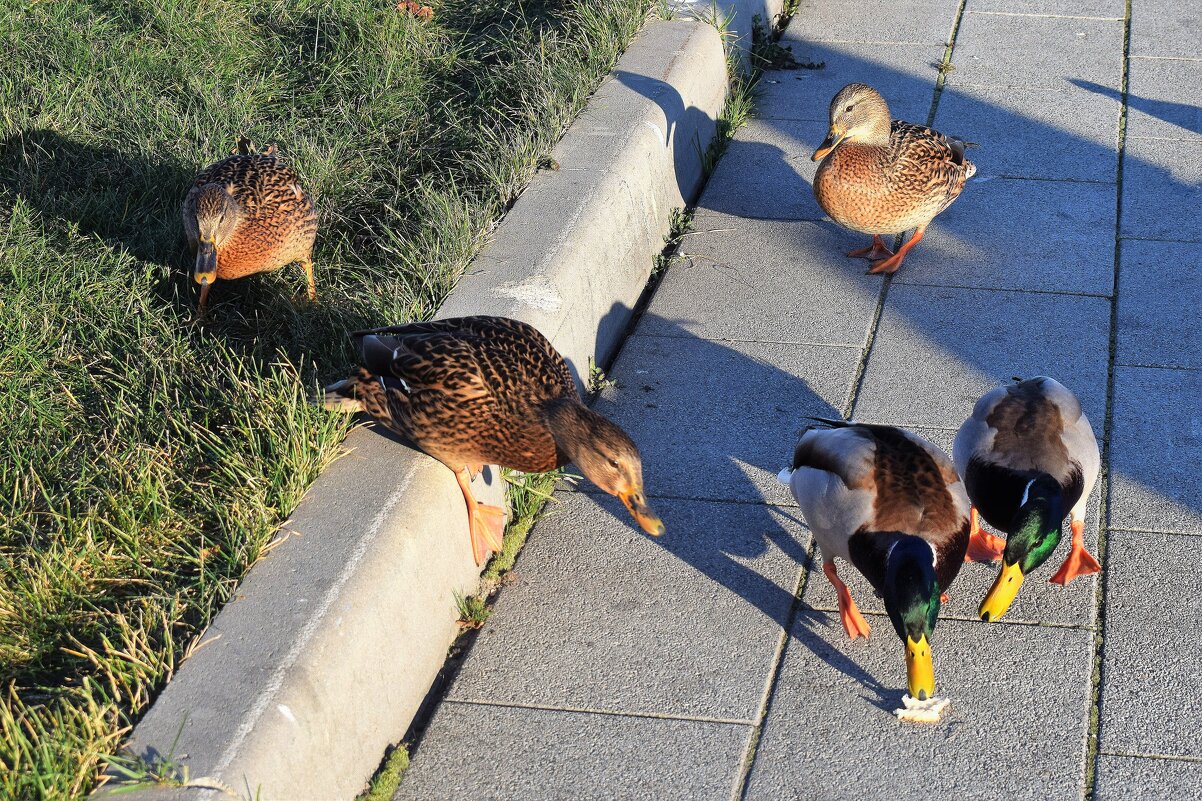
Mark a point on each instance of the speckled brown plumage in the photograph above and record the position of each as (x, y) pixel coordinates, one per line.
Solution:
(469, 391)
(490, 390)
(881, 176)
(253, 208)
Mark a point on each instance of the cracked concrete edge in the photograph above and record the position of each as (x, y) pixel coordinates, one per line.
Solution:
(332, 640)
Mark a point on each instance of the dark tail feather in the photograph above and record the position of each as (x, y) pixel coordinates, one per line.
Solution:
(830, 421)
(376, 354)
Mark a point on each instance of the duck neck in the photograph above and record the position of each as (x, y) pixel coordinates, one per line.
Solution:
(572, 425)
(1035, 531)
(876, 132)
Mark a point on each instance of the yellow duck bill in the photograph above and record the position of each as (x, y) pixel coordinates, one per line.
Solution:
(1002, 594)
(920, 670)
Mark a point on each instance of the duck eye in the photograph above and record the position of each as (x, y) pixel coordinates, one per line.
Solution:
(849, 108)
(613, 463)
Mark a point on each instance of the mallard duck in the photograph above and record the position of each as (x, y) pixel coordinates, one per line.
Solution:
(489, 390)
(884, 176)
(1027, 454)
(248, 214)
(891, 503)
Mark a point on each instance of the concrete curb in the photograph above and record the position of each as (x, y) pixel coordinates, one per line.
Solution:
(333, 639)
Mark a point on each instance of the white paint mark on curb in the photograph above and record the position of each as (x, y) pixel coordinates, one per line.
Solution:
(535, 291)
(663, 138)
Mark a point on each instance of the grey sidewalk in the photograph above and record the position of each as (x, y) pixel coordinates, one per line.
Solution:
(708, 664)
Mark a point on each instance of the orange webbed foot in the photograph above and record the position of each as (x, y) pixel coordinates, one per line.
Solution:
(877, 250)
(487, 531)
(853, 622)
(1079, 562)
(887, 266)
(982, 546)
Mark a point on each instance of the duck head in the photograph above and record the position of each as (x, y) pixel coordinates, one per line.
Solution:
(858, 113)
(1034, 534)
(606, 456)
(217, 215)
(910, 590)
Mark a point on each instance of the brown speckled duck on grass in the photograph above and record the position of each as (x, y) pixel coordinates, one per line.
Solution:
(884, 176)
(248, 214)
(489, 390)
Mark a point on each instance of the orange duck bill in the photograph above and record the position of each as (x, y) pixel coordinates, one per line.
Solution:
(647, 519)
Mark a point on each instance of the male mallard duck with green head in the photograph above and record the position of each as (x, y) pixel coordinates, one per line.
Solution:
(884, 176)
(890, 503)
(472, 391)
(1028, 455)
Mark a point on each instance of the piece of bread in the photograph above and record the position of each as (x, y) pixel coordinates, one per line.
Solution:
(928, 711)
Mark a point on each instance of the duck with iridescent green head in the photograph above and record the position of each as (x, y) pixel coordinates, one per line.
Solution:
(1028, 456)
(890, 503)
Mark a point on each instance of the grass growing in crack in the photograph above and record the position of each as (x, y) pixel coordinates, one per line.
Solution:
(149, 459)
(682, 223)
(473, 611)
(597, 380)
(384, 784)
(527, 496)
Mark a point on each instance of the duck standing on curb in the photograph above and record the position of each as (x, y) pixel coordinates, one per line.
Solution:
(490, 390)
(248, 214)
(1028, 454)
(892, 504)
(884, 176)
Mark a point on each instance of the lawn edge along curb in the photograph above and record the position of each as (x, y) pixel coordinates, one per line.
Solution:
(332, 640)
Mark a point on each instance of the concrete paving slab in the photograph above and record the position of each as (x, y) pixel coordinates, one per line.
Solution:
(1156, 450)
(1039, 602)
(767, 173)
(938, 350)
(1164, 97)
(1150, 701)
(1016, 727)
(765, 281)
(718, 420)
(1162, 190)
(693, 635)
(1067, 246)
(908, 21)
(1160, 286)
(473, 752)
(1109, 9)
(1157, 26)
(1120, 778)
(1034, 133)
(1045, 52)
(904, 74)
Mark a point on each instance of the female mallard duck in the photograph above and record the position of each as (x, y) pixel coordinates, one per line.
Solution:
(1027, 454)
(489, 390)
(891, 503)
(248, 214)
(884, 176)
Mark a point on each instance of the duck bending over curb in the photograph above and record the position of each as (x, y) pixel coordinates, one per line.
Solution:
(890, 503)
(884, 176)
(1028, 454)
(247, 214)
(482, 390)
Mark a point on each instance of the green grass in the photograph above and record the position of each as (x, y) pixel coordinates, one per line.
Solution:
(148, 458)
(384, 784)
